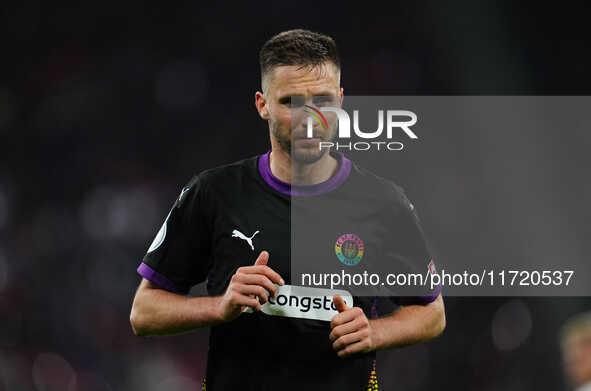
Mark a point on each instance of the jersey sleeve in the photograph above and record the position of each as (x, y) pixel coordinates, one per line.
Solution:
(412, 253)
(179, 256)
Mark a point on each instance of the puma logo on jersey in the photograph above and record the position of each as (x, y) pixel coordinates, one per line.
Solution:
(240, 235)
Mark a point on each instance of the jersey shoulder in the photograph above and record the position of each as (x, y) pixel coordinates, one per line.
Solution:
(379, 186)
(200, 191)
(227, 176)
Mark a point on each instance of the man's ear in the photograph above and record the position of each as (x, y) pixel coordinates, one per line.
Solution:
(261, 104)
(342, 95)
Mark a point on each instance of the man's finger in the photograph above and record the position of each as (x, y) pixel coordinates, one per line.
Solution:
(348, 339)
(263, 269)
(345, 316)
(347, 328)
(357, 347)
(262, 258)
(339, 303)
(247, 303)
(254, 290)
(257, 279)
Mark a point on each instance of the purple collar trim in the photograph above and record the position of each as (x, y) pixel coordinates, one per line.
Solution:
(305, 190)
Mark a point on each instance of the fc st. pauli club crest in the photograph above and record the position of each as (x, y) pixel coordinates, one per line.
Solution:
(349, 249)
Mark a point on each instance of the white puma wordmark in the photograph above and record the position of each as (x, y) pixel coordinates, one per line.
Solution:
(240, 235)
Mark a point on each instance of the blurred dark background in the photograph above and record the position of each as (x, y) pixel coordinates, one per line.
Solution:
(108, 108)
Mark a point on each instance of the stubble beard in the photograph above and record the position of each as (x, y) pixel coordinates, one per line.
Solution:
(299, 155)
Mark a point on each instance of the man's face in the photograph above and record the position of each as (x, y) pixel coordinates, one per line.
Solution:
(292, 92)
(577, 358)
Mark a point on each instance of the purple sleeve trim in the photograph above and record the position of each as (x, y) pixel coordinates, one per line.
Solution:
(410, 300)
(152, 275)
(433, 296)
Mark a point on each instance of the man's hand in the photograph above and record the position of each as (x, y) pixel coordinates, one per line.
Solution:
(246, 283)
(351, 331)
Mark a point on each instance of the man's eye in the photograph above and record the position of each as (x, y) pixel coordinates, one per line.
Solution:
(292, 101)
(297, 101)
(324, 101)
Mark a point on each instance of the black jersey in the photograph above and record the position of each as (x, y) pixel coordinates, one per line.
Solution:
(221, 221)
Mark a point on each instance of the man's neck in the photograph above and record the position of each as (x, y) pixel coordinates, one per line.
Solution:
(292, 172)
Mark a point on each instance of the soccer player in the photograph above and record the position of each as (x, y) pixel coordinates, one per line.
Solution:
(230, 226)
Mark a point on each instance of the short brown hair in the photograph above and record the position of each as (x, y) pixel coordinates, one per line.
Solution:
(298, 47)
